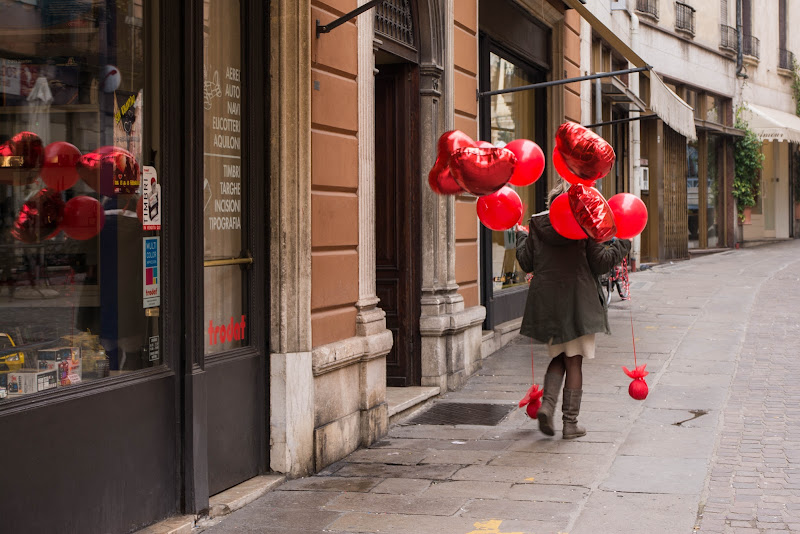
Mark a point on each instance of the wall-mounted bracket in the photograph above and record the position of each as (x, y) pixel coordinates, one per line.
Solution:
(325, 28)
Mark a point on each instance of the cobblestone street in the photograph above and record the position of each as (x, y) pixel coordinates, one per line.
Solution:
(715, 448)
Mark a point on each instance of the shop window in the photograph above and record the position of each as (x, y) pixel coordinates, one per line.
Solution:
(512, 116)
(225, 256)
(80, 258)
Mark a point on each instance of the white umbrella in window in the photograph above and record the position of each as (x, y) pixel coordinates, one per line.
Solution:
(39, 101)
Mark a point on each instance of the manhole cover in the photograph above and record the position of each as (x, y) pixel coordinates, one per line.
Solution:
(463, 413)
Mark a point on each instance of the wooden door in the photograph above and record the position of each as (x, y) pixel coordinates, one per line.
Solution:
(397, 199)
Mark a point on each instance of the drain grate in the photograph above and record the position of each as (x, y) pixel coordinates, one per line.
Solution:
(462, 413)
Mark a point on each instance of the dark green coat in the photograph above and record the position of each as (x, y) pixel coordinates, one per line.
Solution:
(565, 299)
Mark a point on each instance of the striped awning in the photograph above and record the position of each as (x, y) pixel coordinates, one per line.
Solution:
(772, 124)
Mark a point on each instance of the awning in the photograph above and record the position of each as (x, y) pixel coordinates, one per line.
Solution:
(663, 101)
(772, 124)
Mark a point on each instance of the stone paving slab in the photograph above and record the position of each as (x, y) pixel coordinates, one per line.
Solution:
(614, 512)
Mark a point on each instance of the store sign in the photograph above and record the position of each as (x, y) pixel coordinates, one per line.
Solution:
(152, 274)
(152, 349)
(151, 199)
(9, 76)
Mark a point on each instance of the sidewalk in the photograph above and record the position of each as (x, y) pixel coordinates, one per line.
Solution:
(719, 335)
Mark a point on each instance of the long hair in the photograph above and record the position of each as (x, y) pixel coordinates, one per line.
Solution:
(560, 187)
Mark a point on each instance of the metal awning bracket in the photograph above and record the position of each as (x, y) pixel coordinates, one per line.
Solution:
(326, 28)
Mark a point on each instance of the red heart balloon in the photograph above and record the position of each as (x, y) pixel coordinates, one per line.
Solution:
(592, 212)
(110, 170)
(630, 213)
(501, 210)
(59, 170)
(563, 220)
(39, 218)
(563, 171)
(83, 218)
(482, 171)
(530, 162)
(439, 178)
(585, 153)
(484, 144)
(21, 158)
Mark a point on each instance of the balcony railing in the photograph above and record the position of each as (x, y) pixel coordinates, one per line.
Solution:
(648, 6)
(750, 46)
(785, 59)
(727, 37)
(684, 17)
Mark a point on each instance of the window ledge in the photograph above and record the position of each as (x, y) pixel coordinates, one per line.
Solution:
(647, 15)
(684, 32)
(751, 60)
(787, 73)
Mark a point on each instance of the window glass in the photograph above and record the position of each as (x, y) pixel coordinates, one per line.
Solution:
(713, 197)
(225, 318)
(80, 252)
(513, 116)
(693, 193)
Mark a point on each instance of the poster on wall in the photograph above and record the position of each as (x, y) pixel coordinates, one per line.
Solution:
(151, 276)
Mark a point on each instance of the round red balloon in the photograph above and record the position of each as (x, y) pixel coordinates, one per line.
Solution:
(482, 171)
(630, 213)
(530, 162)
(563, 220)
(563, 171)
(83, 218)
(501, 210)
(59, 170)
(39, 217)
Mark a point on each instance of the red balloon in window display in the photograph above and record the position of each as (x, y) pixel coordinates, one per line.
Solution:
(21, 158)
(59, 170)
(83, 218)
(530, 162)
(110, 170)
(563, 220)
(588, 156)
(592, 212)
(39, 218)
(439, 177)
(482, 171)
(501, 210)
(630, 213)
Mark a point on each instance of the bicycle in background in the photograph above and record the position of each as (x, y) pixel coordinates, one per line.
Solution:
(617, 278)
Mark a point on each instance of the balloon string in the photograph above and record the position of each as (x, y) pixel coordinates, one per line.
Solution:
(533, 377)
(630, 304)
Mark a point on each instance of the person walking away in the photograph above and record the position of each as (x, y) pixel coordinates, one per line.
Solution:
(565, 308)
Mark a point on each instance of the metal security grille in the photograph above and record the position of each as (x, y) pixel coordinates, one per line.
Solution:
(648, 6)
(393, 19)
(463, 413)
(785, 59)
(727, 37)
(684, 17)
(751, 46)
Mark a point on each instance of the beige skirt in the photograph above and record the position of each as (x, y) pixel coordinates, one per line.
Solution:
(583, 346)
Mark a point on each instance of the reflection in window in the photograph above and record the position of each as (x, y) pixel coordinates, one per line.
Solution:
(79, 287)
(513, 116)
(692, 193)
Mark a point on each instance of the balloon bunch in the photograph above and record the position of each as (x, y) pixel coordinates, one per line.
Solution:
(582, 157)
(463, 165)
(108, 170)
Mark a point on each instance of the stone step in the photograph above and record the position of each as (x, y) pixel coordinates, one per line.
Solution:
(403, 402)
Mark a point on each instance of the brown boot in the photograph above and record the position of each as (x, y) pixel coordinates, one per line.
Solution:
(552, 387)
(571, 408)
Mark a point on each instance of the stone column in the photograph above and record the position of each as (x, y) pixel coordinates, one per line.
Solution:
(291, 382)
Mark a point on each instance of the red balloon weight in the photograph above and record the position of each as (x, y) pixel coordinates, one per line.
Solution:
(630, 213)
(563, 220)
(533, 408)
(530, 162)
(83, 218)
(638, 389)
(439, 178)
(39, 217)
(110, 170)
(59, 170)
(501, 210)
(482, 171)
(585, 153)
(21, 158)
(563, 171)
(592, 212)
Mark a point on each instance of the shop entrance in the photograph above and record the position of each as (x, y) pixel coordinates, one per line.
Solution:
(397, 200)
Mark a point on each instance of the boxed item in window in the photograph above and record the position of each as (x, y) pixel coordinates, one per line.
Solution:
(67, 361)
(31, 381)
(3, 393)
(60, 353)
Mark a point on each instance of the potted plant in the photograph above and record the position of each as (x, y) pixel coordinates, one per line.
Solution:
(748, 161)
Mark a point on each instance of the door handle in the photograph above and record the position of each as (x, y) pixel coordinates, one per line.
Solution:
(244, 259)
